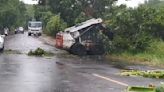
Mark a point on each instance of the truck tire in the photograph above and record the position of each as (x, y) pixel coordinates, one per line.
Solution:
(96, 50)
(78, 49)
(29, 34)
(2, 49)
(39, 34)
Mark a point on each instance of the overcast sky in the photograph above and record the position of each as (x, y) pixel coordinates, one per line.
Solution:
(130, 3)
(30, 1)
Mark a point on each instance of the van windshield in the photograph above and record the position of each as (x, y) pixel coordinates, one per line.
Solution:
(35, 24)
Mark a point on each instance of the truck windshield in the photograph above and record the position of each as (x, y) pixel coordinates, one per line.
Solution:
(35, 24)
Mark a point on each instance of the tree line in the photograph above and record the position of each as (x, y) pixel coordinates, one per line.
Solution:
(134, 28)
(12, 13)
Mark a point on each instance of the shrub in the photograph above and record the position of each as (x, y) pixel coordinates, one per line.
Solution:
(54, 25)
(39, 52)
(81, 18)
(132, 29)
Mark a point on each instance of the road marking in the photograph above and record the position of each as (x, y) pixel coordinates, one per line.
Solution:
(111, 80)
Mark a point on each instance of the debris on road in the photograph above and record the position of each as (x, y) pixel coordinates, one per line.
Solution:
(146, 89)
(40, 52)
(141, 89)
(10, 51)
(147, 74)
(160, 88)
(59, 63)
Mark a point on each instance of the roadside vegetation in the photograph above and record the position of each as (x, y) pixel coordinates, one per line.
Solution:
(138, 32)
(151, 88)
(147, 74)
(160, 88)
(10, 51)
(152, 55)
(12, 14)
(40, 52)
(55, 25)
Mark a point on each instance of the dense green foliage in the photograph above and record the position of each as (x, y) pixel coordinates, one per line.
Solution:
(40, 52)
(154, 3)
(69, 10)
(160, 88)
(148, 74)
(12, 13)
(54, 25)
(134, 28)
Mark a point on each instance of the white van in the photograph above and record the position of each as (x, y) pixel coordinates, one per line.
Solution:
(35, 27)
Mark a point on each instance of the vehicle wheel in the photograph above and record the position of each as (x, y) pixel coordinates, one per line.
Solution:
(29, 34)
(78, 49)
(35, 35)
(96, 50)
(2, 49)
(40, 34)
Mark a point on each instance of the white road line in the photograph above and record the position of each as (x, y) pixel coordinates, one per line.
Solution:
(111, 80)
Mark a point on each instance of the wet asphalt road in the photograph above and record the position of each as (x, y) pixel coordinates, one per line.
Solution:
(60, 73)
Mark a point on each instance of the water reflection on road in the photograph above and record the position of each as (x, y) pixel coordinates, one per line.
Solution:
(60, 73)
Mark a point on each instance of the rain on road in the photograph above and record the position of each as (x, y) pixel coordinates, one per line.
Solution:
(60, 73)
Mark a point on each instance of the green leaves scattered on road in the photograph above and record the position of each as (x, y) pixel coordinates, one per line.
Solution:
(12, 51)
(141, 89)
(146, 89)
(148, 74)
(40, 52)
(160, 88)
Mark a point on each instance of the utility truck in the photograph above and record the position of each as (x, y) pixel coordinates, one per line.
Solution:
(84, 38)
(35, 28)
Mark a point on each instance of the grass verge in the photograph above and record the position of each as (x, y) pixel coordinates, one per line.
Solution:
(153, 56)
(158, 74)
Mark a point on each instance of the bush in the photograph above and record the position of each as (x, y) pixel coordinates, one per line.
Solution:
(39, 52)
(81, 18)
(132, 29)
(54, 25)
